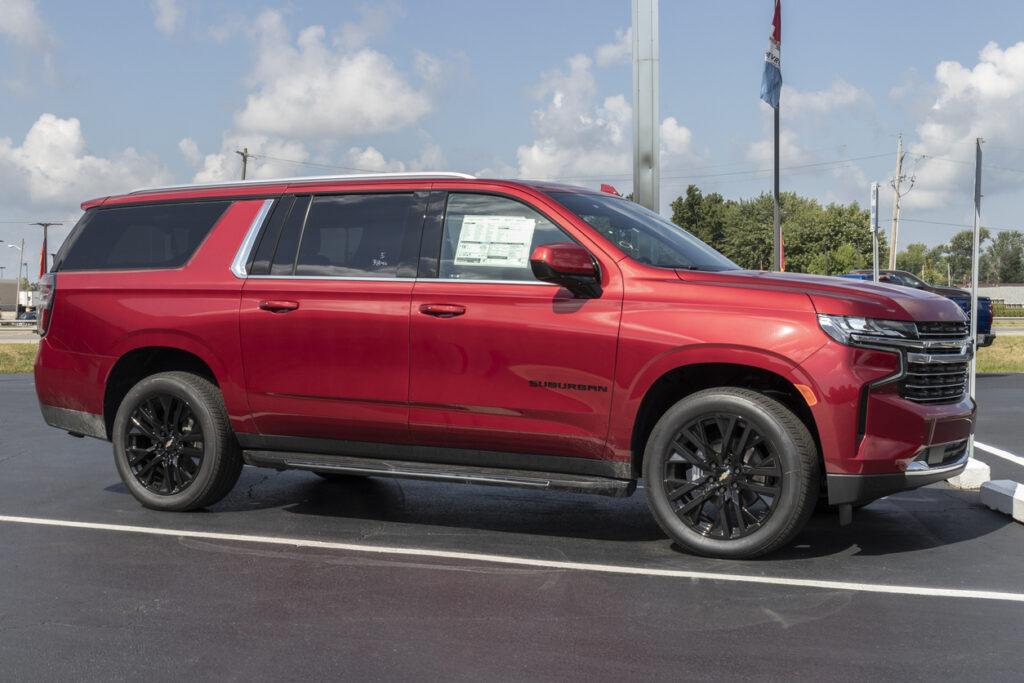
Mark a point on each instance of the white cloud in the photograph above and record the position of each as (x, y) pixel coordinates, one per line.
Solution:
(51, 170)
(168, 16)
(20, 22)
(619, 52)
(984, 101)
(306, 90)
(583, 141)
(375, 20)
(190, 150)
(841, 95)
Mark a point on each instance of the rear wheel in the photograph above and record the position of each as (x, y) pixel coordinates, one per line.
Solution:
(173, 443)
(730, 473)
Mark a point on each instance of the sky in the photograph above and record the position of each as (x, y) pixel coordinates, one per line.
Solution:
(104, 97)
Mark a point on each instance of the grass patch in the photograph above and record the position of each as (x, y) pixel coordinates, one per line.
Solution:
(17, 358)
(1005, 355)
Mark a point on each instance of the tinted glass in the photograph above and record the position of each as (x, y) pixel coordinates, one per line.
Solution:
(259, 261)
(288, 242)
(134, 237)
(491, 238)
(355, 235)
(643, 235)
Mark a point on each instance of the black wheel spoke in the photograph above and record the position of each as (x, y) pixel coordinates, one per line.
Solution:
(759, 488)
(681, 491)
(696, 502)
(687, 454)
(721, 476)
(164, 444)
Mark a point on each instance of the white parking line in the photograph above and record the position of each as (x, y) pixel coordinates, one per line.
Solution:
(529, 562)
(1001, 453)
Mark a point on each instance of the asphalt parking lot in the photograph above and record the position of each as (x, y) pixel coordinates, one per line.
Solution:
(292, 577)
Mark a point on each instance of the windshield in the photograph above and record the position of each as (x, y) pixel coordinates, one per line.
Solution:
(643, 235)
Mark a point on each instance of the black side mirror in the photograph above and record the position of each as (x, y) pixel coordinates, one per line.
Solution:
(568, 265)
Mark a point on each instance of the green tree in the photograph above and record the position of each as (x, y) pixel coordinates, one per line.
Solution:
(959, 253)
(913, 258)
(1003, 261)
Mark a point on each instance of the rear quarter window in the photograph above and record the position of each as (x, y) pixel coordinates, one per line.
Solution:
(154, 236)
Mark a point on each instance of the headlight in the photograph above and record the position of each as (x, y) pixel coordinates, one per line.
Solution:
(865, 331)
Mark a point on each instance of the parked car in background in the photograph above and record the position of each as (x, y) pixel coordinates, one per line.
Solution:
(962, 297)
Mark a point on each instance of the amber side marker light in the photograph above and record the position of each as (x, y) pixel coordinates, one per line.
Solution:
(808, 394)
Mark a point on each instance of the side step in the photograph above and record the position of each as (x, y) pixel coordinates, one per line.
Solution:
(550, 481)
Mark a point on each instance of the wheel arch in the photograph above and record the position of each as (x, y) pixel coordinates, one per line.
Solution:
(142, 362)
(682, 381)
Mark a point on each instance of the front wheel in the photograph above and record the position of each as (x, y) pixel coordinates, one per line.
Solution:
(173, 443)
(730, 473)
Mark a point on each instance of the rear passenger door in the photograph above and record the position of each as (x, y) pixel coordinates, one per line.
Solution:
(325, 318)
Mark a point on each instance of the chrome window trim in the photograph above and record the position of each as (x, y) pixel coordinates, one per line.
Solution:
(332, 277)
(399, 279)
(242, 255)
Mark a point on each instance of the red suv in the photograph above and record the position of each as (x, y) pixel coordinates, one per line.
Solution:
(497, 332)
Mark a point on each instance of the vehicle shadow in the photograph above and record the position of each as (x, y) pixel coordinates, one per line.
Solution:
(932, 517)
(431, 504)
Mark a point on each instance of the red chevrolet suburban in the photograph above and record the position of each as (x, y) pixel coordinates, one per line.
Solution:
(507, 333)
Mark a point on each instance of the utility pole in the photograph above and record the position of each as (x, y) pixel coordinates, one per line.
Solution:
(874, 231)
(245, 158)
(646, 93)
(895, 233)
(43, 266)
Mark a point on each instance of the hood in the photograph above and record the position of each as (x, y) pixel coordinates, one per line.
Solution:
(840, 296)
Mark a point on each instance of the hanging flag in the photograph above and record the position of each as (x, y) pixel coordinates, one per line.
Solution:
(782, 253)
(771, 81)
(42, 261)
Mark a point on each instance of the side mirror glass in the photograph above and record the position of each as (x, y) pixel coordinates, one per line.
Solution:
(568, 265)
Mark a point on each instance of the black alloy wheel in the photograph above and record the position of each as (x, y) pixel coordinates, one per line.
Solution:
(723, 477)
(173, 444)
(164, 444)
(730, 473)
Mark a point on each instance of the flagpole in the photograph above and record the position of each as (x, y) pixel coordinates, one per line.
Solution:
(777, 265)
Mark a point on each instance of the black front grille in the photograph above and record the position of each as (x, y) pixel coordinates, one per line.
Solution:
(934, 382)
(937, 366)
(942, 330)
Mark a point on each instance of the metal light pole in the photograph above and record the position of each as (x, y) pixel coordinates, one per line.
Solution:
(21, 249)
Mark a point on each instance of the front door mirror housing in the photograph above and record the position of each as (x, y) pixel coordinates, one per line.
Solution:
(568, 265)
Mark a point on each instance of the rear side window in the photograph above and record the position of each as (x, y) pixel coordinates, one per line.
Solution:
(355, 235)
(140, 237)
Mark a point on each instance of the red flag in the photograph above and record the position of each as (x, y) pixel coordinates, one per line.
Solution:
(42, 261)
(782, 252)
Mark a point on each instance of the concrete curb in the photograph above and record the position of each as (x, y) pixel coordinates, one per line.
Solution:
(1006, 496)
(972, 478)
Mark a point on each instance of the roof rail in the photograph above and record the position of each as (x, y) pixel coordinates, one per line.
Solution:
(306, 179)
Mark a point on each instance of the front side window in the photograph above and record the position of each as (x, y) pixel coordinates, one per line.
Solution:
(487, 237)
(643, 235)
(354, 235)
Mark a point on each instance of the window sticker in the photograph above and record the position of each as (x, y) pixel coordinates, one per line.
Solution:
(495, 241)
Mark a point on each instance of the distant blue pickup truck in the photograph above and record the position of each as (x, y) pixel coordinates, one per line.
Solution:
(962, 298)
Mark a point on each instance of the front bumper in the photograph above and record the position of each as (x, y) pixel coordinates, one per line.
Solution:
(935, 463)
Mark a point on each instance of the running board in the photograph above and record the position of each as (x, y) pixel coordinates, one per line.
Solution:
(549, 481)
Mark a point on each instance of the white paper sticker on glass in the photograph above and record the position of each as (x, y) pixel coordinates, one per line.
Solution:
(495, 241)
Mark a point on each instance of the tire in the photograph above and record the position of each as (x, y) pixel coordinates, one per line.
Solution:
(173, 444)
(739, 501)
